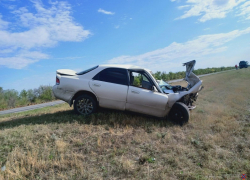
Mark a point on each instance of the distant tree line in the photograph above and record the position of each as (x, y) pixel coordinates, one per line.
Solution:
(11, 98)
(180, 75)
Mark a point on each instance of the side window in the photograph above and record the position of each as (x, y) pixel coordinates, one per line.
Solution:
(140, 79)
(113, 75)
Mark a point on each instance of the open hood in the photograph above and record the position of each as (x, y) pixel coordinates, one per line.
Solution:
(191, 78)
(189, 67)
(67, 72)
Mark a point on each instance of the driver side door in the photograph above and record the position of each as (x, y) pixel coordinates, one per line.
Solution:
(142, 99)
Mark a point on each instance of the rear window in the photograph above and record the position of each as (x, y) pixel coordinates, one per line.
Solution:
(86, 71)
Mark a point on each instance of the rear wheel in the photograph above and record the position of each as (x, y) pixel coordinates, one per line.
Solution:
(85, 105)
(179, 113)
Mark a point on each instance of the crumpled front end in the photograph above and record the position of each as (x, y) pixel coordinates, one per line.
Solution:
(191, 93)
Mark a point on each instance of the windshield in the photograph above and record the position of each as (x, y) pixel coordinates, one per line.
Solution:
(86, 71)
(164, 85)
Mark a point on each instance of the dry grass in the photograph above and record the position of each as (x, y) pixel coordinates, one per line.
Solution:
(54, 143)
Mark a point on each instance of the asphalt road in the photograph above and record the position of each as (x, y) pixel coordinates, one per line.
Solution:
(32, 107)
(38, 106)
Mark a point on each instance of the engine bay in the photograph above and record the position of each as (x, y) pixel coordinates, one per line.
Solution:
(167, 88)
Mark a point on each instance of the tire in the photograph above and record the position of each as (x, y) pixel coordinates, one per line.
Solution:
(85, 105)
(179, 114)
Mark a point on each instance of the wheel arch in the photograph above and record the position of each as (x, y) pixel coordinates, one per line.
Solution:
(83, 92)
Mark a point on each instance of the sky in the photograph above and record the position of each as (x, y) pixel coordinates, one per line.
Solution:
(37, 37)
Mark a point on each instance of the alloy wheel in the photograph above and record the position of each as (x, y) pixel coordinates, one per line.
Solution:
(84, 106)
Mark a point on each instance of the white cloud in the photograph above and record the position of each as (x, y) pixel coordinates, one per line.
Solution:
(3, 24)
(183, 7)
(245, 10)
(208, 9)
(173, 55)
(105, 12)
(22, 59)
(71, 57)
(44, 28)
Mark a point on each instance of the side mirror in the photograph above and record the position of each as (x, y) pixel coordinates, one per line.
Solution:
(153, 88)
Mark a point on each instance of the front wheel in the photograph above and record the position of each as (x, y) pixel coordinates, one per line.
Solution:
(85, 105)
(179, 113)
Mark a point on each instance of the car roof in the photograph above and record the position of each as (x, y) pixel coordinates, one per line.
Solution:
(122, 66)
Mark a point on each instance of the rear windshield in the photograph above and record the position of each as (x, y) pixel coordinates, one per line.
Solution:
(86, 71)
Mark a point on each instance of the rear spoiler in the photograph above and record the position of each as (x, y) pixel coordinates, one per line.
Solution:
(66, 72)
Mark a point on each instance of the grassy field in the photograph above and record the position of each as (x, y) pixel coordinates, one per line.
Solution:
(55, 143)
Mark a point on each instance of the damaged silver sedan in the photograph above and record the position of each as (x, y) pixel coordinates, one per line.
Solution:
(126, 87)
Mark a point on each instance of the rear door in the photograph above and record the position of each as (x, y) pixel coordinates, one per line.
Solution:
(142, 99)
(111, 87)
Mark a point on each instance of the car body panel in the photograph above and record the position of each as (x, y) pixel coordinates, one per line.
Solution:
(146, 101)
(110, 95)
(69, 86)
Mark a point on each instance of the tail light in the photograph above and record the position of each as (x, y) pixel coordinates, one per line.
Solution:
(57, 81)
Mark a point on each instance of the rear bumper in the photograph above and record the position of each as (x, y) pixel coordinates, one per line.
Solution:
(54, 89)
(62, 94)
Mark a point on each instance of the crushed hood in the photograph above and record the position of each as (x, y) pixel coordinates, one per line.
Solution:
(67, 72)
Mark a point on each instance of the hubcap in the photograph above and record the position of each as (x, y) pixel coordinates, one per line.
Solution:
(84, 106)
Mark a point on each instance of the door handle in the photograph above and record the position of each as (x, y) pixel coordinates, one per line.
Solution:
(135, 92)
(97, 85)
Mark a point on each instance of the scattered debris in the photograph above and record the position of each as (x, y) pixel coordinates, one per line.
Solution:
(137, 159)
(142, 160)
(3, 168)
(151, 160)
(194, 141)
(53, 136)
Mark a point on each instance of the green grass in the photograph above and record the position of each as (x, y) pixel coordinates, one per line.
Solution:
(55, 143)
